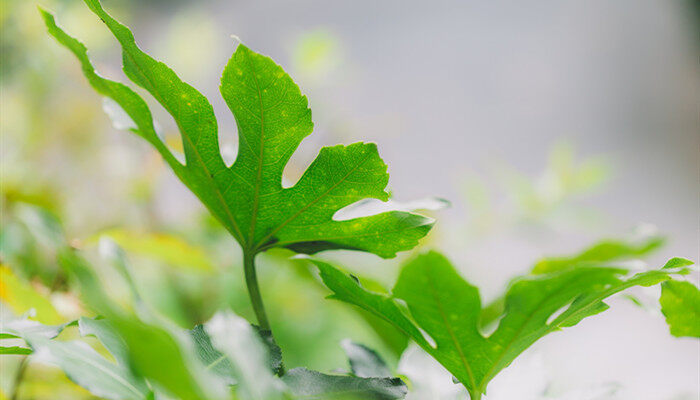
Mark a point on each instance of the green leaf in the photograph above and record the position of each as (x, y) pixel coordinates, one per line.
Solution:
(365, 362)
(212, 358)
(447, 309)
(272, 118)
(275, 352)
(235, 338)
(84, 366)
(150, 346)
(132, 104)
(307, 384)
(106, 334)
(678, 262)
(606, 250)
(680, 303)
(16, 350)
(19, 328)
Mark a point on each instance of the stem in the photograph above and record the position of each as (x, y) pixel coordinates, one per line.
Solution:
(475, 395)
(18, 378)
(251, 281)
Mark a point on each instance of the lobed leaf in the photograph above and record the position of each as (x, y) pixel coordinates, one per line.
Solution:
(273, 118)
(445, 310)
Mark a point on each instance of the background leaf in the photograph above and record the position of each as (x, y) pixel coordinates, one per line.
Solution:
(680, 303)
(447, 309)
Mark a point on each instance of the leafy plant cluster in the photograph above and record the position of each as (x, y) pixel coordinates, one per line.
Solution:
(144, 356)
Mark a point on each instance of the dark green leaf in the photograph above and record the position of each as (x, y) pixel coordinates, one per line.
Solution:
(680, 303)
(274, 350)
(272, 118)
(365, 362)
(447, 309)
(306, 384)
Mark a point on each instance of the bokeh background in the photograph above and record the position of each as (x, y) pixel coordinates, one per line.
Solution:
(547, 125)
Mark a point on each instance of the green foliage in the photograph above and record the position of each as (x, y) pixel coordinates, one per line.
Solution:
(603, 251)
(272, 118)
(447, 308)
(15, 350)
(142, 355)
(680, 303)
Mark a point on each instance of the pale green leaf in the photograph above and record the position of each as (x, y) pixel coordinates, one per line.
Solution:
(249, 358)
(106, 334)
(213, 359)
(84, 366)
(365, 362)
(603, 251)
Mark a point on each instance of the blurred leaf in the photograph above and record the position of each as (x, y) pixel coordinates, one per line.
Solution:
(15, 350)
(603, 251)
(248, 354)
(22, 297)
(316, 53)
(447, 309)
(680, 303)
(84, 366)
(428, 378)
(150, 347)
(43, 224)
(306, 384)
(212, 358)
(273, 118)
(20, 328)
(678, 262)
(164, 248)
(365, 362)
(105, 333)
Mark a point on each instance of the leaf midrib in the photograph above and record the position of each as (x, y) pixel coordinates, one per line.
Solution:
(448, 326)
(258, 177)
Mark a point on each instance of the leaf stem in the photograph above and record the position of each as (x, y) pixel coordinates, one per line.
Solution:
(19, 375)
(251, 281)
(475, 395)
